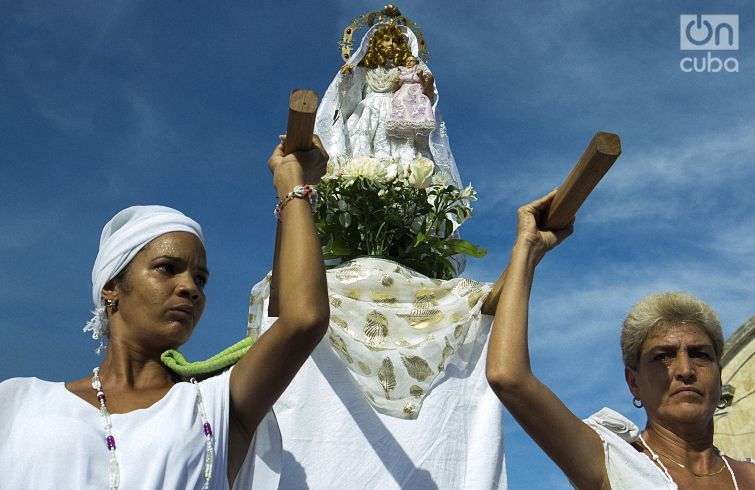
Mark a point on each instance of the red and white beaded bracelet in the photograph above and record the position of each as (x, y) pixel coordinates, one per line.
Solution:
(301, 192)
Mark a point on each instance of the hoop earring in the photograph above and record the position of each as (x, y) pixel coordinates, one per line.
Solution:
(636, 402)
(111, 303)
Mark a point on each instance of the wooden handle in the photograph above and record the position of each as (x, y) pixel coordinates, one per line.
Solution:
(302, 109)
(603, 150)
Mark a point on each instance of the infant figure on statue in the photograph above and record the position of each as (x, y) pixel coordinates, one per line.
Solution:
(411, 113)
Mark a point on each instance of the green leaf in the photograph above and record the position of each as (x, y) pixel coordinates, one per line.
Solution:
(421, 237)
(339, 248)
(363, 217)
(467, 248)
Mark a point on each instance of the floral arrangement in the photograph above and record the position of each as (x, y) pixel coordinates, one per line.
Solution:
(383, 208)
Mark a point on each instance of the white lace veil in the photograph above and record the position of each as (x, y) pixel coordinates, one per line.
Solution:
(342, 97)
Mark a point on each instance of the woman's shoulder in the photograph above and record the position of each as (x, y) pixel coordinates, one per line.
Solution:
(216, 376)
(625, 464)
(744, 471)
(612, 421)
(15, 391)
(22, 385)
(216, 384)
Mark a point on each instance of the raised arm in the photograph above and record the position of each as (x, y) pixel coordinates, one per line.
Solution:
(265, 371)
(569, 442)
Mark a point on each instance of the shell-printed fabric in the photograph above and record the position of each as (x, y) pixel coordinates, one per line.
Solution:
(395, 330)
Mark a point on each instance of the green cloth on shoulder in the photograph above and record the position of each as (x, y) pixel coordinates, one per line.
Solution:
(176, 362)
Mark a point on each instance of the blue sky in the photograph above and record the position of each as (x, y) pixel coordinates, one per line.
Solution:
(109, 104)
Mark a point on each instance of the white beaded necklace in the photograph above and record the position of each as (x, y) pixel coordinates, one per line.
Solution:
(668, 475)
(114, 476)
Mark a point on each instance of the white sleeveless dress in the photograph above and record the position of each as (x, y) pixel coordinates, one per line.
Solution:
(54, 439)
(627, 468)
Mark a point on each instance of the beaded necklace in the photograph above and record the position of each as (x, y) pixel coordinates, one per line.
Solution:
(658, 461)
(114, 477)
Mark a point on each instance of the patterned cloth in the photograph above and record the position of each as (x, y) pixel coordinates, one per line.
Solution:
(395, 330)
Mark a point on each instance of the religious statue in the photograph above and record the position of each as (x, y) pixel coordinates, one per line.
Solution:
(383, 101)
(395, 396)
(395, 116)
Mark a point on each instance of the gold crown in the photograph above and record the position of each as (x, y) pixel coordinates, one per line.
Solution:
(390, 14)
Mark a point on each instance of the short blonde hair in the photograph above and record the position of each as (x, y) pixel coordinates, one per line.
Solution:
(662, 310)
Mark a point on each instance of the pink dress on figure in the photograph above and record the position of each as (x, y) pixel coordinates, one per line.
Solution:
(411, 111)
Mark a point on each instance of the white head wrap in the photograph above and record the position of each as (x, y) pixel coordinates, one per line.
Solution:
(122, 238)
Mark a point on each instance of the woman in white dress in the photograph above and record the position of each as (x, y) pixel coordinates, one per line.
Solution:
(132, 423)
(671, 345)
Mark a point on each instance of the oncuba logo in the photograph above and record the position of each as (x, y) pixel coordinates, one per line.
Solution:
(709, 33)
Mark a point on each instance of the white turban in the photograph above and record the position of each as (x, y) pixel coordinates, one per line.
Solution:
(122, 238)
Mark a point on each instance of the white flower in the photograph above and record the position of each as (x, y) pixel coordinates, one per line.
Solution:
(468, 193)
(440, 179)
(420, 172)
(391, 172)
(367, 167)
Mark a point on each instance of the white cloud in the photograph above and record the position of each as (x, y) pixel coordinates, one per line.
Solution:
(687, 177)
(735, 240)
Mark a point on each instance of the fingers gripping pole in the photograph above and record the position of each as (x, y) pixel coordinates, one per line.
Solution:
(302, 109)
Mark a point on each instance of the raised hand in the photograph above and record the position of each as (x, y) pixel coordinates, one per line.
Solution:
(300, 167)
(531, 235)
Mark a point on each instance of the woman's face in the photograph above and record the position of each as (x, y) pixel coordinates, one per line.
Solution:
(678, 378)
(161, 298)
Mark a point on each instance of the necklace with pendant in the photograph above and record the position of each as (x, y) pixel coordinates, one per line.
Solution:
(113, 470)
(699, 475)
(658, 461)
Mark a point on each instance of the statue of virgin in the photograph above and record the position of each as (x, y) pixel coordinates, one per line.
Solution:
(383, 104)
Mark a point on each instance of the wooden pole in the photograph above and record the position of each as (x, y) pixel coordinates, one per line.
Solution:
(601, 152)
(302, 109)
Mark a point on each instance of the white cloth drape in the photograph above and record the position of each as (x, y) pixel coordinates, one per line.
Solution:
(395, 330)
(333, 439)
